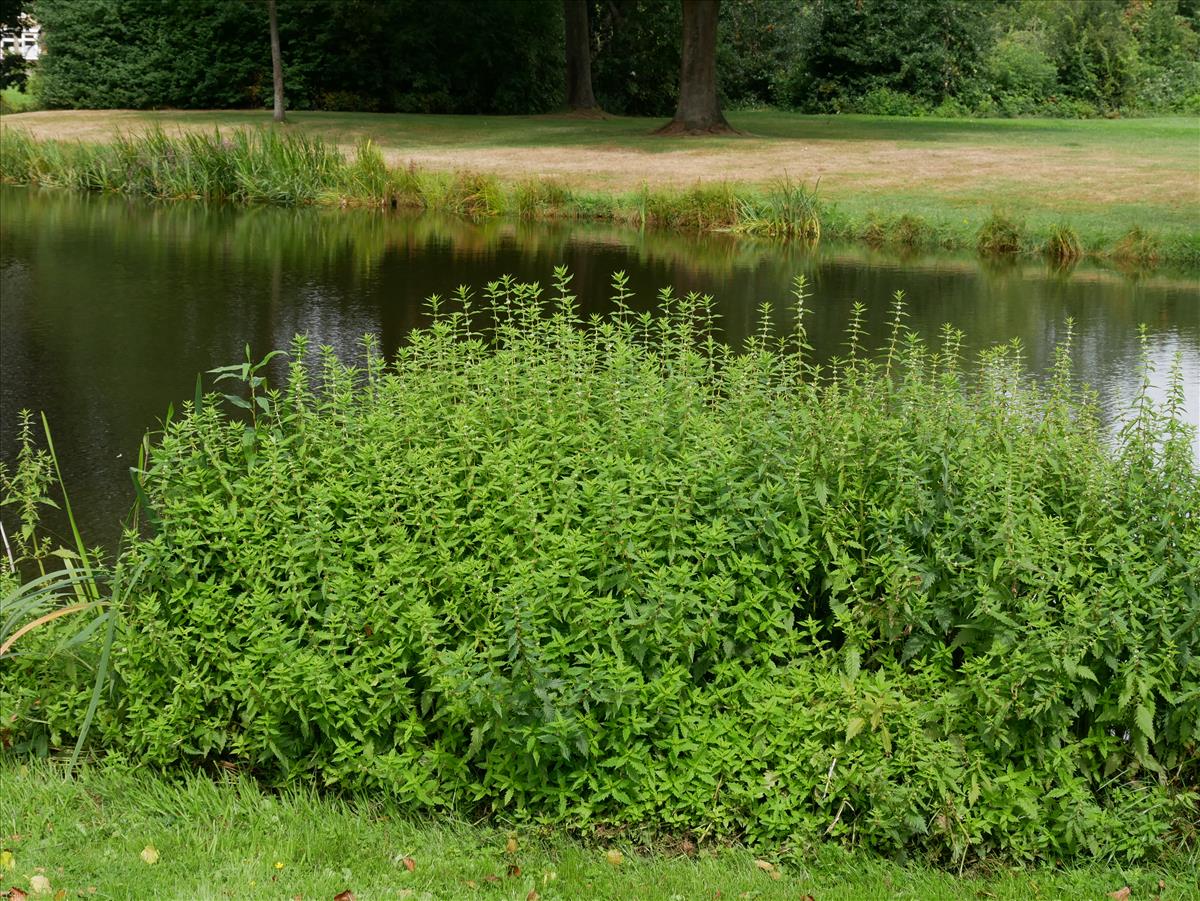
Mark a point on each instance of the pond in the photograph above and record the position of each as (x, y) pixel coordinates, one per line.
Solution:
(111, 307)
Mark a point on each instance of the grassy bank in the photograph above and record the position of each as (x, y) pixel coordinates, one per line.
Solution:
(614, 576)
(1121, 188)
(229, 838)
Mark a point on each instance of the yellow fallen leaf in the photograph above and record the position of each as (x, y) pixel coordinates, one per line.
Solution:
(60, 895)
(6, 861)
(614, 857)
(39, 885)
(765, 865)
(150, 855)
(511, 845)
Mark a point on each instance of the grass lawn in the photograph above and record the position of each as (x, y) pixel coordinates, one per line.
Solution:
(1101, 177)
(87, 837)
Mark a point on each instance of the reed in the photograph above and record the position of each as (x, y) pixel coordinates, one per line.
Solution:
(1137, 247)
(1063, 246)
(64, 616)
(787, 209)
(1000, 235)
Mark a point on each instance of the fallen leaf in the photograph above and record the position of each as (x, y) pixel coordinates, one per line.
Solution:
(409, 864)
(765, 865)
(471, 883)
(532, 896)
(511, 845)
(150, 855)
(6, 860)
(347, 895)
(16, 894)
(514, 870)
(39, 885)
(297, 898)
(776, 875)
(60, 895)
(1121, 894)
(614, 857)
(491, 877)
(688, 847)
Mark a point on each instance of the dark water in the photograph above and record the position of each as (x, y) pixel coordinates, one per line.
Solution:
(109, 308)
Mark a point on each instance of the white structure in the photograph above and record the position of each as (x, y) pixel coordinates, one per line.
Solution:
(25, 43)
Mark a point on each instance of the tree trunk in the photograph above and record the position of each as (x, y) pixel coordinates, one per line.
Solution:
(699, 111)
(580, 98)
(276, 61)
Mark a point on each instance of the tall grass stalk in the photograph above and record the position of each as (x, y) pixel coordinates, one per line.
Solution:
(58, 613)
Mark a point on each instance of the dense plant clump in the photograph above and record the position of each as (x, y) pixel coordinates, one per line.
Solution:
(614, 573)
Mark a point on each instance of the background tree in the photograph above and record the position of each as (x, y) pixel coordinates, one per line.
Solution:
(276, 60)
(635, 70)
(699, 109)
(580, 98)
(14, 15)
(949, 57)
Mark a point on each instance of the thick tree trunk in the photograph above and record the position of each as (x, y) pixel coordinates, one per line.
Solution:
(580, 98)
(276, 61)
(699, 111)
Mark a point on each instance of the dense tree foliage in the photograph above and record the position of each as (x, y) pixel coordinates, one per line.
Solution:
(950, 57)
(13, 15)
(406, 55)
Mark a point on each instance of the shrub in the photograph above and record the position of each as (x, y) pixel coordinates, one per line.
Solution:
(1019, 66)
(621, 575)
(886, 102)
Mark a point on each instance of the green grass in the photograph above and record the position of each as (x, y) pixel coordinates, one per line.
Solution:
(229, 838)
(1101, 178)
(13, 100)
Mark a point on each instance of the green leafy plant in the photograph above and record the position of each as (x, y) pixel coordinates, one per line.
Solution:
(616, 573)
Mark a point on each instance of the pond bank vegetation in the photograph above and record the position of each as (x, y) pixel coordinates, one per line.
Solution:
(265, 166)
(616, 575)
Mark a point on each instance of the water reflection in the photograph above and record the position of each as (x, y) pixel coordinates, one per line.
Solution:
(110, 307)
